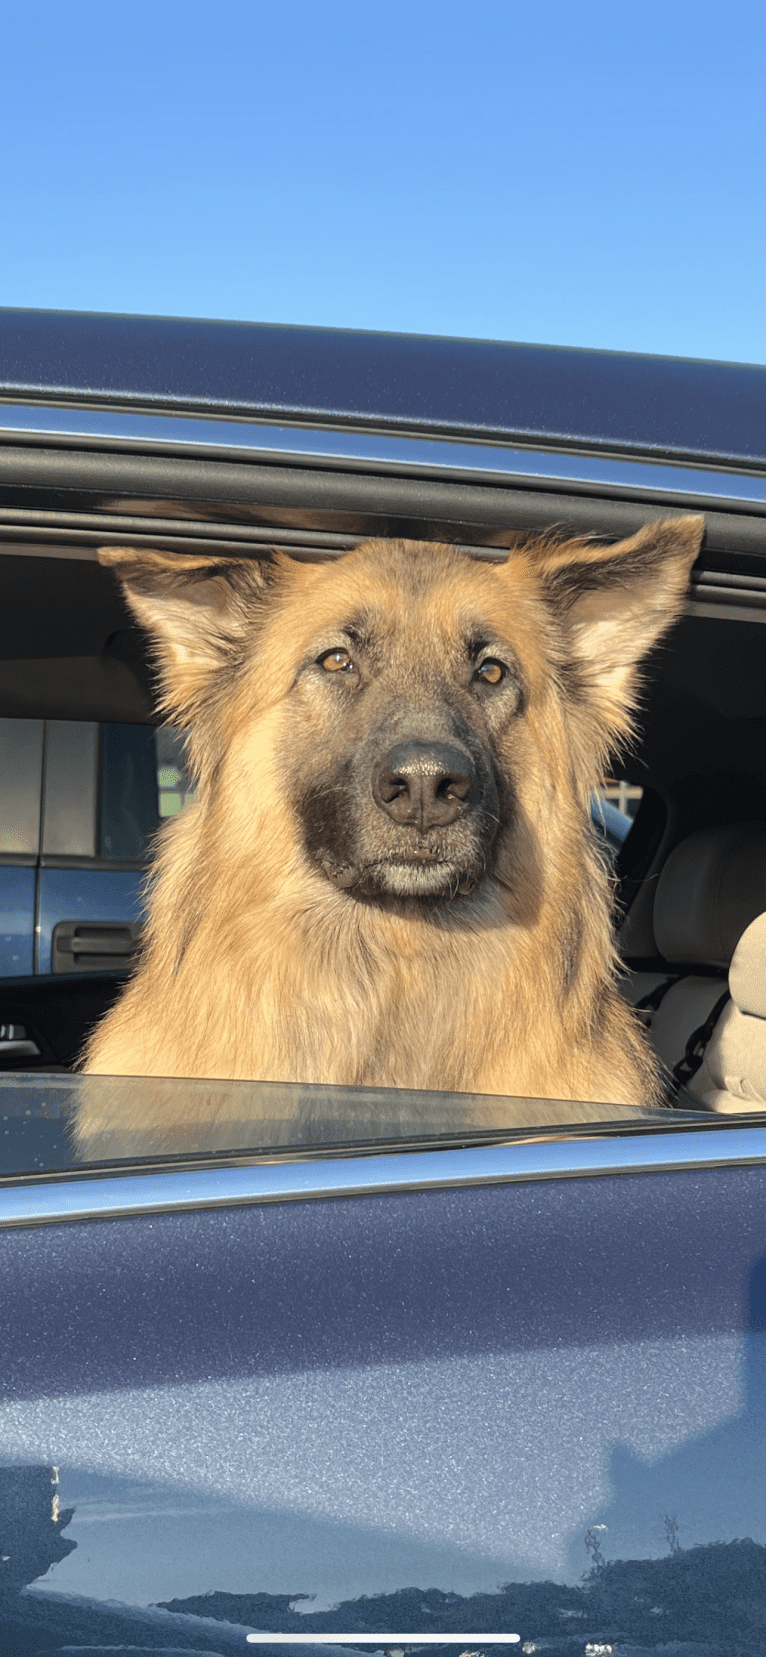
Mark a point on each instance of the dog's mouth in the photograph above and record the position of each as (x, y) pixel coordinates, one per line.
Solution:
(418, 874)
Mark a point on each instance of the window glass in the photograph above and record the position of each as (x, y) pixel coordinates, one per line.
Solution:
(129, 806)
(69, 788)
(21, 766)
(50, 1121)
(625, 796)
(173, 781)
(613, 809)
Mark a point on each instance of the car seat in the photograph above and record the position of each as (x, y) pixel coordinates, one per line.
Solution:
(732, 1075)
(710, 891)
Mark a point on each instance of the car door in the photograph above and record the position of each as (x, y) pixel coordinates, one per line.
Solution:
(470, 1396)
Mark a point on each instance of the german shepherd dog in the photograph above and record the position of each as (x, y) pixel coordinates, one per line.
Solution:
(389, 877)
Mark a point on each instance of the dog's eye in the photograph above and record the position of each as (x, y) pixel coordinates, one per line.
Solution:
(490, 672)
(336, 661)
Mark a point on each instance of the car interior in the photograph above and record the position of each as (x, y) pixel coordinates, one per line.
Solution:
(690, 877)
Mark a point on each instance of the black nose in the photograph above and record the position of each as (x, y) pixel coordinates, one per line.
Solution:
(425, 784)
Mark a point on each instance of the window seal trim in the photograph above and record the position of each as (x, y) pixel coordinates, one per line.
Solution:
(357, 449)
(108, 1196)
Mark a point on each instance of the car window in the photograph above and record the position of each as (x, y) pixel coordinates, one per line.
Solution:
(85, 800)
(128, 790)
(21, 770)
(612, 811)
(624, 796)
(174, 783)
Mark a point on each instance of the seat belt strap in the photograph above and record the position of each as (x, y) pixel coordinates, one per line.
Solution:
(695, 1046)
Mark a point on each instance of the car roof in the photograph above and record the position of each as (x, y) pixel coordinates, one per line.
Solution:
(659, 406)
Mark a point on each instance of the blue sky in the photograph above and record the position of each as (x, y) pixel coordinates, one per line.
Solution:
(583, 174)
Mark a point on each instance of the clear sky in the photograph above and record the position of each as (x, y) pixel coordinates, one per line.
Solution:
(589, 174)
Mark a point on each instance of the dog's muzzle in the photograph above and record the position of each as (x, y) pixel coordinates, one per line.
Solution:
(418, 822)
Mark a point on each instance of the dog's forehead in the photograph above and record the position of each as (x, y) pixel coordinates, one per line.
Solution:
(390, 590)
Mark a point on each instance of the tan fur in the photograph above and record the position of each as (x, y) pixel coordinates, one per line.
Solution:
(256, 965)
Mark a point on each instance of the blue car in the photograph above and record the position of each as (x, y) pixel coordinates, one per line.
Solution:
(81, 802)
(404, 1382)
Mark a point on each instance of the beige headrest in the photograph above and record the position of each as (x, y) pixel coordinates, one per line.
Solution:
(712, 886)
(747, 973)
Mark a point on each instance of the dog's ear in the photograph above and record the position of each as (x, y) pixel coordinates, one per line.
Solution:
(616, 602)
(198, 611)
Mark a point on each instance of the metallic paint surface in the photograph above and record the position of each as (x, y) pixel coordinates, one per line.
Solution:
(466, 1377)
(616, 398)
(449, 1452)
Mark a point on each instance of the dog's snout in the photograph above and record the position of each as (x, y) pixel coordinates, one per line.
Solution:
(424, 784)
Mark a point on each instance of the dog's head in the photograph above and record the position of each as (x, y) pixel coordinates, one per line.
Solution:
(413, 709)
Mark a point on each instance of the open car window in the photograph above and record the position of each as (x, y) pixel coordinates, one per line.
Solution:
(168, 565)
